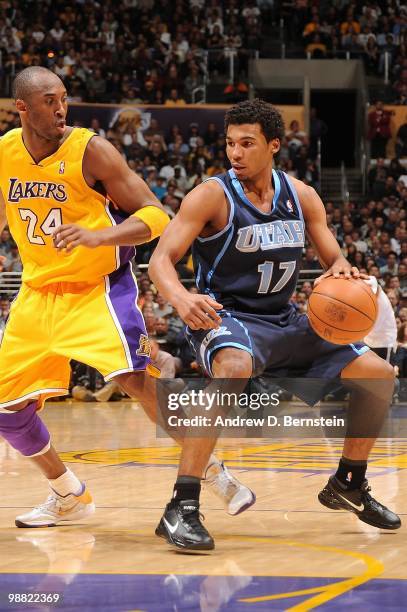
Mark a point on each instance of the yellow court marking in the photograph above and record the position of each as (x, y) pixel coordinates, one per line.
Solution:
(288, 455)
(374, 568)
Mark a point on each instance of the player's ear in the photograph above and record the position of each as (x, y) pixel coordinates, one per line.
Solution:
(21, 106)
(274, 145)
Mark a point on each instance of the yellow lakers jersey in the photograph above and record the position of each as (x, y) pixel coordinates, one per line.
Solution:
(40, 197)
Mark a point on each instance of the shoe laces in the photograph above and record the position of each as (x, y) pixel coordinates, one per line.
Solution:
(53, 500)
(368, 499)
(192, 519)
(223, 482)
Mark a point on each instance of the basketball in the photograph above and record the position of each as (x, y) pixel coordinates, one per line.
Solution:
(342, 310)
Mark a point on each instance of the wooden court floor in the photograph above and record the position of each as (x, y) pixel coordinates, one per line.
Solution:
(286, 553)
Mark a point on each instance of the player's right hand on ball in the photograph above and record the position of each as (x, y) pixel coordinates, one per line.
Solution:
(199, 311)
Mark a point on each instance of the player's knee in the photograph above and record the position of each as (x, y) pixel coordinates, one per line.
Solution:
(369, 366)
(131, 383)
(232, 363)
(378, 368)
(24, 430)
(387, 370)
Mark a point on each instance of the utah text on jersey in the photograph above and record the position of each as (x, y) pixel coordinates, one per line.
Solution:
(271, 235)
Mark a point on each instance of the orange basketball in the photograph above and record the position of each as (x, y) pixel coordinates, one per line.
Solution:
(342, 310)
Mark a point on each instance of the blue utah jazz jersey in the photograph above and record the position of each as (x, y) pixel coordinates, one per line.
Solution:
(252, 265)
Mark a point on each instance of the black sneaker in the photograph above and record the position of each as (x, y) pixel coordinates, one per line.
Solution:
(181, 526)
(335, 496)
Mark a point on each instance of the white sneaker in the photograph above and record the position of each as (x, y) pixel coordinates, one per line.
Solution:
(235, 496)
(57, 509)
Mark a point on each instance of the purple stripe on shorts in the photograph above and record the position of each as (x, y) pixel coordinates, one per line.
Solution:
(126, 253)
(123, 296)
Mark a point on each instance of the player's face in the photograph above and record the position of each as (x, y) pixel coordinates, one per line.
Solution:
(45, 110)
(248, 150)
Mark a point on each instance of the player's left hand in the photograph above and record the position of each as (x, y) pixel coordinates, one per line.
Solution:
(67, 237)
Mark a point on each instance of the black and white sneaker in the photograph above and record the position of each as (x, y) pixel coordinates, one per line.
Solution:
(181, 526)
(335, 496)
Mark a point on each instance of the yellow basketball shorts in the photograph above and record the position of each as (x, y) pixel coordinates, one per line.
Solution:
(99, 325)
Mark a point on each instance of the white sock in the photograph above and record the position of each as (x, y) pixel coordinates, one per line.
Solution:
(66, 484)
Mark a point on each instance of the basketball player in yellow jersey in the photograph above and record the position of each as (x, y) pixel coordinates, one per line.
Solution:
(76, 211)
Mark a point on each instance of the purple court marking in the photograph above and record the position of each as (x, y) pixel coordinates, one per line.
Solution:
(162, 593)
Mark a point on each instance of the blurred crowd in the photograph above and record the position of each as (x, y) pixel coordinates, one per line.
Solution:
(150, 51)
(161, 51)
(366, 30)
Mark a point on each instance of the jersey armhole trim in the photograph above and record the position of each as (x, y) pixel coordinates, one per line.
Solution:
(296, 198)
(231, 211)
(92, 189)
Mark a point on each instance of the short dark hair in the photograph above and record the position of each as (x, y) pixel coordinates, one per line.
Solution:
(257, 111)
(27, 79)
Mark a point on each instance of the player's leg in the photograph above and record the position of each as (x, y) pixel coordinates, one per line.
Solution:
(25, 431)
(371, 380)
(227, 349)
(217, 479)
(30, 375)
(298, 348)
(181, 524)
(229, 363)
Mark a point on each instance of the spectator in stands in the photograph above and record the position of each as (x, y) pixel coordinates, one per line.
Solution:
(174, 99)
(401, 141)
(318, 131)
(379, 129)
(13, 261)
(161, 307)
(391, 265)
(401, 353)
(96, 86)
(211, 135)
(309, 260)
(296, 138)
(350, 26)
(5, 242)
(316, 47)
(371, 56)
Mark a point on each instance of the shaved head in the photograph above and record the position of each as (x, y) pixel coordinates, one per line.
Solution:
(32, 79)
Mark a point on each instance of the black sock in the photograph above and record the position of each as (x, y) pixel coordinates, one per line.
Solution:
(351, 473)
(187, 487)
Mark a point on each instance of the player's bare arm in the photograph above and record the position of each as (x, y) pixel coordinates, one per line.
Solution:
(200, 210)
(326, 246)
(103, 163)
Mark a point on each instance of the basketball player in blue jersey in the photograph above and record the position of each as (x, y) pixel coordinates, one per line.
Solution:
(75, 210)
(247, 228)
